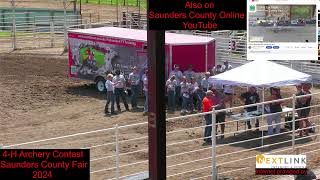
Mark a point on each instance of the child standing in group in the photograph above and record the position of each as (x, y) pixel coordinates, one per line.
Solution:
(171, 88)
(110, 94)
(185, 95)
(200, 94)
(145, 89)
(194, 96)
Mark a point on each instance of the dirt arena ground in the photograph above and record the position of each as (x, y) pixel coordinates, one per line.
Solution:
(38, 101)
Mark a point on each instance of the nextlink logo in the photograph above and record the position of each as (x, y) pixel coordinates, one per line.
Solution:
(281, 161)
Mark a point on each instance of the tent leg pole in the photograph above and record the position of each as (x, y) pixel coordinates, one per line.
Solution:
(206, 58)
(263, 99)
(170, 63)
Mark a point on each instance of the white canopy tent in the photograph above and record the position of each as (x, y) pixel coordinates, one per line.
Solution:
(260, 74)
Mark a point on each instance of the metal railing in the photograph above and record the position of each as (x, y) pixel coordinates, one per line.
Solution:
(134, 20)
(122, 151)
(35, 32)
(49, 31)
(217, 162)
(39, 32)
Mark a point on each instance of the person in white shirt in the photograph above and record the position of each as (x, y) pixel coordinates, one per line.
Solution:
(189, 73)
(110, 94)
(171, 88)
(204, 82)
(187, 89)
(200, 94)
(120, 90)
(178, 74)
(193, 90)
(134, 81)
(219, 87)
(217, 69)
(229, 92)
(185, 95)
(226, 66)
(145, 89)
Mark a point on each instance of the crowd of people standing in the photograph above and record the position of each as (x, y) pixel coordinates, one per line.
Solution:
(217, 100)
(303, 106)
(184, 90)
(189, 94)
(116, 87)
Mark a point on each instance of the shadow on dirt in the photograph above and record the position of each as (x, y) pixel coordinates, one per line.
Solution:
(89, 90)
(86, 90)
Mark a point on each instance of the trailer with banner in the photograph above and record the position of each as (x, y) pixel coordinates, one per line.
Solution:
(97, 51)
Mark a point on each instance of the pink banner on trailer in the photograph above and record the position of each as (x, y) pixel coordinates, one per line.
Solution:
(107, 40)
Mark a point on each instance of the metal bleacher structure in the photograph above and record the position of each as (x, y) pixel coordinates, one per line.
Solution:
(237, 55)
(134, 20)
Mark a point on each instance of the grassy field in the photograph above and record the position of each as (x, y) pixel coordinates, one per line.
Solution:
(121, 2)
(7, 34)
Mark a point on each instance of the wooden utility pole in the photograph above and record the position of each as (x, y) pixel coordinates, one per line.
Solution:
(157, 113)
(14, 37)
(156, 96)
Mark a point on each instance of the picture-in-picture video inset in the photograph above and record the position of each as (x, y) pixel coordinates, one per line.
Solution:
(280, 31)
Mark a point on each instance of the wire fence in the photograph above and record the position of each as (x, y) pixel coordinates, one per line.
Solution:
(136, 3)
(121, 152)
(40, 31)
(34, 32)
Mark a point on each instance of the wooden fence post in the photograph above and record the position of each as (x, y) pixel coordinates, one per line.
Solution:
(52, 33)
